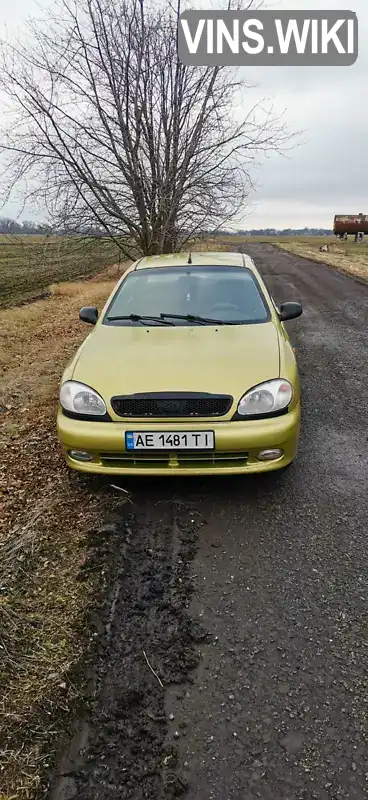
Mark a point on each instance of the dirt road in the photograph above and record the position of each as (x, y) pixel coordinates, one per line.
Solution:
(232, 659)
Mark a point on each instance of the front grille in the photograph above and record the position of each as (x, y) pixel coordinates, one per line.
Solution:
(172, 405)
(187, 458)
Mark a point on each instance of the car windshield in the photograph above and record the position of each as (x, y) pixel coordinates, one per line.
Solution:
(212, 294)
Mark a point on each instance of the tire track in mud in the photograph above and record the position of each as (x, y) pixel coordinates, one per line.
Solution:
(122, 747)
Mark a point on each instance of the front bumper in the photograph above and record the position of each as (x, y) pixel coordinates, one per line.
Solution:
(236, 446)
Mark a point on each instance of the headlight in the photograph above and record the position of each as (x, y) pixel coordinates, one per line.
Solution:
(81, 399)
(266, 398)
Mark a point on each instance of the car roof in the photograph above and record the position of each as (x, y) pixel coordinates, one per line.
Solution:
(198, 259)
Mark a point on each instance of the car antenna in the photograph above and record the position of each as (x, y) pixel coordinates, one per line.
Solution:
(189, 259)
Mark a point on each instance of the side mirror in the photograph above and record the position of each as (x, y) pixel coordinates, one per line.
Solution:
(290, 311)
(89, 314)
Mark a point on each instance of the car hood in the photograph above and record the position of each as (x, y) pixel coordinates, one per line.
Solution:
(227, 359)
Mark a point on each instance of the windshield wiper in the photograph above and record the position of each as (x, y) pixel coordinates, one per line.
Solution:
(163, 318)
(140, 318)
(195, 318)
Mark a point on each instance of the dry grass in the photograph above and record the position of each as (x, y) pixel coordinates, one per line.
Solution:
(347, 256)
(212, 245)
(37, 338)
(45, 521)
(42, 613)
(78, 288)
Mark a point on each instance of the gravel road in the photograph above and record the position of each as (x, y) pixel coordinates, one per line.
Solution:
(247, 597)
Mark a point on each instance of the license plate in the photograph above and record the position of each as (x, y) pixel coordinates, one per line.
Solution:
(170, 440)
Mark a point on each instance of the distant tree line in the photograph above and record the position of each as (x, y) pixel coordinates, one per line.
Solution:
(291, 232)
(274, 232)
(10, 226)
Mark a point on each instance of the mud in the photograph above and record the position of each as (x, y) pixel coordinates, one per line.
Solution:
(121, 748)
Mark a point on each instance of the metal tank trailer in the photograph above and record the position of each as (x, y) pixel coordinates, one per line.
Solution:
(351, 224)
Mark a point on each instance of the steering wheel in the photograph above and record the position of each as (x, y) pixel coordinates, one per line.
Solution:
(224, 306)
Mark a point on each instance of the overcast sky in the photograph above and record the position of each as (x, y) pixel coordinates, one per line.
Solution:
(327, 174)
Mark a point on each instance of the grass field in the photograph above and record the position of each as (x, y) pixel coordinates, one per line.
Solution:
(347, 256)
(29, 264)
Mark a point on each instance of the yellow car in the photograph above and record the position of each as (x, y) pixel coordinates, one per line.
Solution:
(188, 370)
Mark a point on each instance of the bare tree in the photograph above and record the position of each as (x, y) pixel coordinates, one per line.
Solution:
(113, 131)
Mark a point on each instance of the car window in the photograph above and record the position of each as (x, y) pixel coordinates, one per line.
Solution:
(230, 294)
